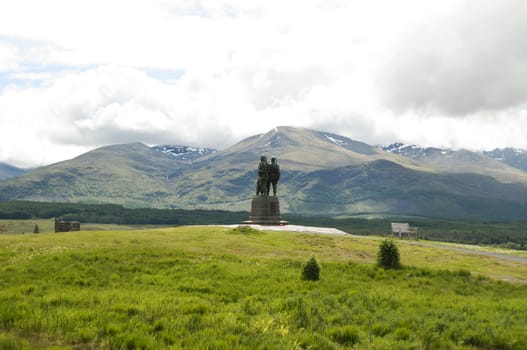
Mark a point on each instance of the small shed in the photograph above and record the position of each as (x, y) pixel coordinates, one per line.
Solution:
(404, 230)
(67, 226)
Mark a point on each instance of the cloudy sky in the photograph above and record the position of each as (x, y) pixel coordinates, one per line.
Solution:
(75, 75)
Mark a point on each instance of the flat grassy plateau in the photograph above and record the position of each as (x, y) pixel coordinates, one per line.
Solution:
(222, 288)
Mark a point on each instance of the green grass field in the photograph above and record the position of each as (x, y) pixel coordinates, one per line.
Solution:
(218, 288)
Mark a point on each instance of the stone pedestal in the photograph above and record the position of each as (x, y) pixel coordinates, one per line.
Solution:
(265, 210)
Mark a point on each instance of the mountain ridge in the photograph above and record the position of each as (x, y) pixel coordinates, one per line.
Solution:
(492, 163)
(322, 173)
(515, 157)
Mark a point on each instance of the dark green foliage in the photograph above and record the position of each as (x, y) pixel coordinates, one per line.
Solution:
(36, 229)
(245, 230)
(116, 214)
(311, 270)
(388, 255)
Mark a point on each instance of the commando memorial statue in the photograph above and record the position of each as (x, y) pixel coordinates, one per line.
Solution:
(265, 209)
(268, 174)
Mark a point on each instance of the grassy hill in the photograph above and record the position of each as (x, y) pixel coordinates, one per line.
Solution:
(131, 174)
(219, 288)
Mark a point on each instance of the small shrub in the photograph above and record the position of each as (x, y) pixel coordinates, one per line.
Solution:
(36, 229)
(245, 230)
(311, 270)
(388, 255)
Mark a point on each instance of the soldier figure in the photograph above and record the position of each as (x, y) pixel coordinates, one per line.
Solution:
(262, 186)
(274, 175)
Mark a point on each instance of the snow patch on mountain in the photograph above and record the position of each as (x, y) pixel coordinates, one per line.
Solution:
(335, 140)
(186, 153)
(415, 152)
(273, 141)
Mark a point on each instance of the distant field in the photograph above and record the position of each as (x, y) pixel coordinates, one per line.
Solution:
(217, 288)
(48, 226)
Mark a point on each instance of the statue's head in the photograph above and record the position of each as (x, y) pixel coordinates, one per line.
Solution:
(263, 158)
(273, 159)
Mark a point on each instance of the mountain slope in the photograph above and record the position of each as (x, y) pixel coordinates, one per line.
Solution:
(133, 175)
(511, 156)
(388, 188)
(462, 161)
(226, 180)
(322, 174)
(8, 171)
(303, 150)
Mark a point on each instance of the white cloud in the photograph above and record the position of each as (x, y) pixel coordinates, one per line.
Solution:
(469, 59)
(9, 57)
(80, 75)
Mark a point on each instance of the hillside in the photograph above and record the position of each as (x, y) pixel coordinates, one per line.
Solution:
(386, 187)
(7, 171)
(514, 157)
(133, 175)
(503, 165)
(322, 173)
(212, 288)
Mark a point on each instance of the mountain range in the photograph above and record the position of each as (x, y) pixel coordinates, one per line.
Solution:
(322, 174)
(513, 157)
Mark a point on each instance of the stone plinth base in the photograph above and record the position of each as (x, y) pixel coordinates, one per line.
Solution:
(265, 210)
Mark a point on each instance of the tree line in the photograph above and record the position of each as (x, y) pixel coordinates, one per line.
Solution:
(116, 214)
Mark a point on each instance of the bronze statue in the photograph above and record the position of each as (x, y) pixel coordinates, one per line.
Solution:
(265, 209)
(267, 174)
(274, 175)
(263, 177)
